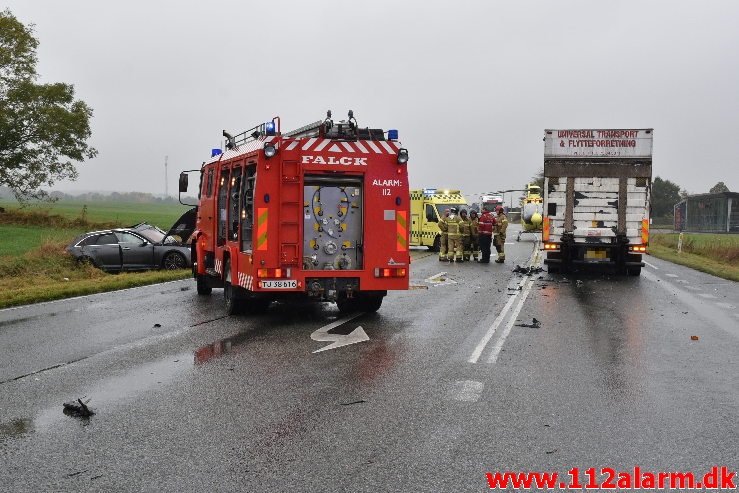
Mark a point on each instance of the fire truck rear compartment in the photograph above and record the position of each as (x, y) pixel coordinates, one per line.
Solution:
(333, 227)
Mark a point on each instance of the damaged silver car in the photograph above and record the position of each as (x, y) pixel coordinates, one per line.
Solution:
(139, 247)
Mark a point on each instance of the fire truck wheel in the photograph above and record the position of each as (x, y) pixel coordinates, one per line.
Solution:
(202, 285)
(174, 261)
(256, 306)
(371, 303)
(230, 299)
(347, 306)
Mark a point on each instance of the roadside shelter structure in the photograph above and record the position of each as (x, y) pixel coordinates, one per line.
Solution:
(708, 213)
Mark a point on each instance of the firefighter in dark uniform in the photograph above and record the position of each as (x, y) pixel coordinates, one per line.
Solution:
(500, 233)
(464, 234)
(443, 239)
(474, 243)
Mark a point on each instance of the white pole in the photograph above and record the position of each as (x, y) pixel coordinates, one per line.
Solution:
(166, 189)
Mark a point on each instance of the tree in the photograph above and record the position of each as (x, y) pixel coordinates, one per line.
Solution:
(719, 187)
(665, 195)
(42, 127)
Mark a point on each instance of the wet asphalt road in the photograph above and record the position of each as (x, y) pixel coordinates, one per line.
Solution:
(451, 384)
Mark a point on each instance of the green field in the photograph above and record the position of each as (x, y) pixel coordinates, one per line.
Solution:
(120, 213)
(22, 230)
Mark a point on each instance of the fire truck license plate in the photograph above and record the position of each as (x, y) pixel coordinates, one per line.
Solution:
(280, 284)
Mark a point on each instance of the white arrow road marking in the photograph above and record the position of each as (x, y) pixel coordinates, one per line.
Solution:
(338, 340)
(440, 278)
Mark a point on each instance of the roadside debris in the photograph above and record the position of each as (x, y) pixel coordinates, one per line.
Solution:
(360, 401)
(78, 409)
(531, 269)
(535, 324)
(693, 338)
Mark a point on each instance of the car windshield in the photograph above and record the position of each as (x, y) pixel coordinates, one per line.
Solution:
(152, 234)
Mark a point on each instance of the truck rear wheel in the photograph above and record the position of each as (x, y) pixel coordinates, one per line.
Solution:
(634, 271)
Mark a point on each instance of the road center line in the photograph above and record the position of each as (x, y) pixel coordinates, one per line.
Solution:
(491, 331)
(501, 340)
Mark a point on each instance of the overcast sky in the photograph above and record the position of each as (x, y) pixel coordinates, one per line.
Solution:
(469, 84)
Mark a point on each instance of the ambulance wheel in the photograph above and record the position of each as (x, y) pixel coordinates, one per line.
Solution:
(202, 285)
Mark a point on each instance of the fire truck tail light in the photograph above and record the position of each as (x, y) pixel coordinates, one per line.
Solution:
(402, 156)
(273, 273)
(551, 246)
(390, 272)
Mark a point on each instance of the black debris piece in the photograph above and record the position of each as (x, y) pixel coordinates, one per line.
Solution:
(535, 324)
(78, 409)
(531, 269)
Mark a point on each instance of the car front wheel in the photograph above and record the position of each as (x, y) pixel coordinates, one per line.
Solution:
(174, 261)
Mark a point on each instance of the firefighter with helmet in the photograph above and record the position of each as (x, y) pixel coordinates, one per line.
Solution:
(443, 239)
(464, 231)
(500, 233)
(453, 234)
(474, 229)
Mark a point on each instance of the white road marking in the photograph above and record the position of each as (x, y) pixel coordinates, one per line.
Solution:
(707, 296)
(651, 265)
(467, 390)
(671, 275)
(440, 278)
(501, 340)
(338, 340)
(489, 334)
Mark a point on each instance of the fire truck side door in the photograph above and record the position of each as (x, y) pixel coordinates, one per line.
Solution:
(247, 209)
(222, 206)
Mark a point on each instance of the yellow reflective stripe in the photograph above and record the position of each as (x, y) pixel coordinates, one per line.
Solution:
(262, 228)
(401, 231)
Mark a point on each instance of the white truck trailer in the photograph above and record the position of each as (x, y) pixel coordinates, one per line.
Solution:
(597, 185)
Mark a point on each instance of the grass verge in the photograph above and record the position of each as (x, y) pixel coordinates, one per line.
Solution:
(717, 255)
(47, 273)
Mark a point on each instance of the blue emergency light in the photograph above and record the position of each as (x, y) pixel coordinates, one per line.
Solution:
(392, 134)
(269, 128)
(429, 191)
(215, 152)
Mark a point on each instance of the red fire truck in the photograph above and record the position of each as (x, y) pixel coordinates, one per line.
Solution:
(319, 213)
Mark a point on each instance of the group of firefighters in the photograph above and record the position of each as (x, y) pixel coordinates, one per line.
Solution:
(463, 237)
